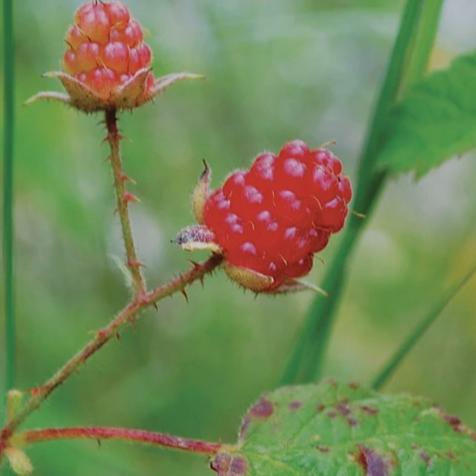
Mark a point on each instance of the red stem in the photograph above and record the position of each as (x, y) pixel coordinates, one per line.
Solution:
(125, 434)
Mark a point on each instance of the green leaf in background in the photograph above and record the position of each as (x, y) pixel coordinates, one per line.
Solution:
(334, 429)
(435, 120)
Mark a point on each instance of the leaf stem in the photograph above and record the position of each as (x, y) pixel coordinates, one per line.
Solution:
(407, 64)
(124, 434)
(8, 200)
(407, 345)
(127, 316)
(123, 198)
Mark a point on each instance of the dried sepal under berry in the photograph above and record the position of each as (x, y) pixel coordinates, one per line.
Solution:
(270, 220)
(107, 64)
(197, 237)
(201, 193)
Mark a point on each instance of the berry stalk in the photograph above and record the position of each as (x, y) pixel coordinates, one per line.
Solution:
(126, 316)
(162, 440)
(123, 198)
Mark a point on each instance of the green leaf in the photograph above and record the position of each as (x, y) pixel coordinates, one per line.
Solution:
(343, 429)
(435, 120)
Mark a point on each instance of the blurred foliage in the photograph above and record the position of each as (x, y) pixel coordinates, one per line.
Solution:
(276, 71)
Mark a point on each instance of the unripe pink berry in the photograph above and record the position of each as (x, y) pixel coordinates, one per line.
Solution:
(106, 48)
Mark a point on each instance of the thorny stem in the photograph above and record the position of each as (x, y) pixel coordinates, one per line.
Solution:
(123, 197)
(126, 316)
(125, 434)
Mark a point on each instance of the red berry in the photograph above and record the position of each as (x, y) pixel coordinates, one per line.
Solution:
(106, 47)
(272, 218)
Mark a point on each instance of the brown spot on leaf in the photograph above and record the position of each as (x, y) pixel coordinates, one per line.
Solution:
(372, 463)
(332, 414)
(323, 449)
(320, 408)
(425, 457)
(453, 421)
(343, 409)
(353, 385)
(369, 410)
(295, 405)
(352, 421)
(263, 409)
(229, 465)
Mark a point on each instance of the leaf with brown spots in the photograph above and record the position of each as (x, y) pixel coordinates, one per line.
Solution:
(335, 429)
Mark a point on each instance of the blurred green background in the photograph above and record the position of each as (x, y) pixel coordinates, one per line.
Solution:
(277, 70)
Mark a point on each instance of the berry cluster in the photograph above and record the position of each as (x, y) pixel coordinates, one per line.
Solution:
(272, 218)
(106, 47)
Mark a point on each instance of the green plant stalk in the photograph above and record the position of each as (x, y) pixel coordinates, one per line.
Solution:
(407, 65)
(8, 223)
(407, 345)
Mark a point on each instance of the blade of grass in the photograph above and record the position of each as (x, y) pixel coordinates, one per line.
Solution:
(8, 111)
(407, 345)
(408, 63)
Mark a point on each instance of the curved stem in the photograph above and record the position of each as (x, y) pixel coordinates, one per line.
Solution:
(126, 316)
(125, 434)
(123, 198)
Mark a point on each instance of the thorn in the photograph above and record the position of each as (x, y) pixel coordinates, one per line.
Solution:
(35, 391)
(202, 281)
(196, 266)
(118, 336)
(125, 178)
(312, 287)
(129, 197)
(135, 264)
(99, 443)
(156, 306)
(327, 144)
(321, 260)
(185, 295)
(359, 215)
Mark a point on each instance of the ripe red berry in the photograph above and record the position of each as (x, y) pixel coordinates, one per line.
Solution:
(106, 47)
(272, 218)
